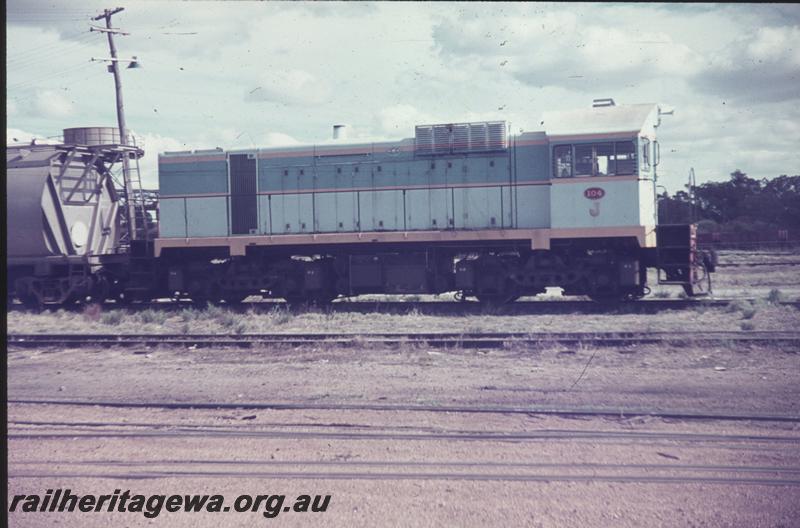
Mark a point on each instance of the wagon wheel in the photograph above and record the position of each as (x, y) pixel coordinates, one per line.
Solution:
(699, 282)
(31, 302)
(200, 301)
(99, 291)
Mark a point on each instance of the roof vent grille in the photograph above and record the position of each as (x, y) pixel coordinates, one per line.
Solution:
(454, 138)
(599, 103)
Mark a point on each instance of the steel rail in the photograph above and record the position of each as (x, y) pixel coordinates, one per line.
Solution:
(619, 413)
(488, 436)
(758, 264)
(444, 339)
(411, 464)
(644, 478)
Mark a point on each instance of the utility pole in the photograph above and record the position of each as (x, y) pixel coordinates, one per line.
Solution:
(123, 131)
(692, 196)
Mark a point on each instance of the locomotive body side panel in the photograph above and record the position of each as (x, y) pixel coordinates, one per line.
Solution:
(532, 206)
(184, 176)
(590, 203)
(172, 217)
(207, 216)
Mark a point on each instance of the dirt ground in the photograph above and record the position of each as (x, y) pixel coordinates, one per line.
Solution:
(362, 424)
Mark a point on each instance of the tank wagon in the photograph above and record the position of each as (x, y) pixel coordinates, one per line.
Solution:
(458, 207)
(63, 220)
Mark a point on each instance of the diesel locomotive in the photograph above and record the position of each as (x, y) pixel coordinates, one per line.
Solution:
(459, 207)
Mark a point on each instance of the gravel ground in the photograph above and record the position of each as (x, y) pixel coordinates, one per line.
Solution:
(261, 451)
(757, 379)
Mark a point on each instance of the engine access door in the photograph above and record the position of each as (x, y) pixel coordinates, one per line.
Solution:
(244, 201)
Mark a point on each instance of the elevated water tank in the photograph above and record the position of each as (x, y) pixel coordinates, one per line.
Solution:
(92, 136)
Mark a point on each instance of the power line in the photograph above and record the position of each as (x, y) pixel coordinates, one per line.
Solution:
(49, 75)
(37, 62)
(61, 86)
(46, 50)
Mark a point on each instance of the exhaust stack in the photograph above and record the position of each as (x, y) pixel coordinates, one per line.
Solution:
(339, 132)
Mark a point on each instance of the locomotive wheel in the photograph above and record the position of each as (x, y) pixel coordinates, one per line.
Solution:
(495, 299)
(306, 300)
(235, 298)
(609, 298)
(503, 295)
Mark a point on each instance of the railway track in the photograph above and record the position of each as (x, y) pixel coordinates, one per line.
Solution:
(644, 476)
(161, 431)
(438, 340)
(661, 444)
(758, 264)
(593, 412)
(672, 472)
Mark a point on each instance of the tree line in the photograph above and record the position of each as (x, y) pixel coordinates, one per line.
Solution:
(741, 204)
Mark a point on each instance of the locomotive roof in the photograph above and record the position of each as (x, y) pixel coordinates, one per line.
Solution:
(603, 119)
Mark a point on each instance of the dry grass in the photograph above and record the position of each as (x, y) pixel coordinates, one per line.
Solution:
(219, 320)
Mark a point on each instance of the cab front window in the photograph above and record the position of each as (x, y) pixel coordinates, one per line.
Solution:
(645, 142)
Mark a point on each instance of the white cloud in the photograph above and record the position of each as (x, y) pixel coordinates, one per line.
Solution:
(400, 119)
(761, 65)
(289, 87)
(548, 49)
(277, 139)
(51, 104)
(776, 45)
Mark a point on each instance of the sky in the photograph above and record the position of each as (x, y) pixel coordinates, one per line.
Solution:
(260, 74)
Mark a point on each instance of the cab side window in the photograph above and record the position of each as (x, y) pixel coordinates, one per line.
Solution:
(562, 161)
(595, 159)
(584, 160)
